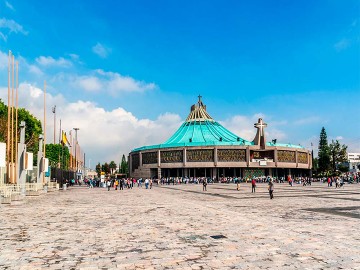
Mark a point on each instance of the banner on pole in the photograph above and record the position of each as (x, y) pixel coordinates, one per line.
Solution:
(46, 165)
(29, 159)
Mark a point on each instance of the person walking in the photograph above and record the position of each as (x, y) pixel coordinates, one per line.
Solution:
(204, 184)
(146, 183)
(337, 183)
(108, 184)
(116, 184)
(253, 185)
(151, 182)
(122, 184)
(271, 189)
(237, 184)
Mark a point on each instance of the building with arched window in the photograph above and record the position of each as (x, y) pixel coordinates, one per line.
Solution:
(202, 147)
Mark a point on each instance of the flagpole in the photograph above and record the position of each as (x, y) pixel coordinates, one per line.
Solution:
(12, 123)
(54, 112)
(60, 144)
(44, 131)
(62, 161)
(16, 121)
(8, 123)
(71, 158)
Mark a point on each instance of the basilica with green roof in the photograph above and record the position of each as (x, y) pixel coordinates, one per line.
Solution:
(202, 147)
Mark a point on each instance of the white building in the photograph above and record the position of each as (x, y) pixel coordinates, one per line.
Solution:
(354, 162)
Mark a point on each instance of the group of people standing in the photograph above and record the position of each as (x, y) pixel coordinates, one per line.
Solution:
(120, 183)
(128, 183)
(339, 182)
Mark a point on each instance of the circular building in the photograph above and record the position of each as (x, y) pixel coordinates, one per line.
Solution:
(201, 147)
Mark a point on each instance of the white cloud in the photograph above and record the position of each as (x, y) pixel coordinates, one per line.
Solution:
(342, 44)
(3, 60)
(92, 80)
(89, 83)
(101, 50)
(339, 138)
(48, 61)
(277, 134)
(12, 26)
(241, 125)
(2, 36)
(104, 135)
(111, 82)
(26, 69)
(10, 6)
(74, 56)
(35, 70)
(244, 127)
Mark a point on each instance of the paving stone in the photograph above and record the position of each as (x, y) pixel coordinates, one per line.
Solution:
(169, 227)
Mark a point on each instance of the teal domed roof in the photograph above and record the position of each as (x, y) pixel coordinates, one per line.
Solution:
(199, 129)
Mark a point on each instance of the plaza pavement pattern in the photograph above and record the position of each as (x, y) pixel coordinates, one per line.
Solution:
(182, 227)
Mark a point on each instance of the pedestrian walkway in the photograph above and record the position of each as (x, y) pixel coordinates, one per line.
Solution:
(184, 227)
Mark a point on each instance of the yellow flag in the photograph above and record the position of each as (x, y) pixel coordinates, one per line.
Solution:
(64, 139)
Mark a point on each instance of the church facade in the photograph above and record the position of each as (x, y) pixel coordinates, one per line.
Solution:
(202, 147)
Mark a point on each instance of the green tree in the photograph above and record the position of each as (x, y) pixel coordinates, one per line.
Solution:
(98, 169)
(112, 167)
(32, 130)
(315, 165)
(338, 154)
(57, 153)
(324, 153)
(3, 121)
(123, 165)
(105, 168)
(343, 167)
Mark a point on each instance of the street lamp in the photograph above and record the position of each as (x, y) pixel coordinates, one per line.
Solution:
(76, 162)
(54, 112)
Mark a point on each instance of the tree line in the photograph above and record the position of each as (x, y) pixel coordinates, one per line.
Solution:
(112, 168)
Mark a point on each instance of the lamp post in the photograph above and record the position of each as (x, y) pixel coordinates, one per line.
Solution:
(312, 160)
(54, 112)
(76, 162)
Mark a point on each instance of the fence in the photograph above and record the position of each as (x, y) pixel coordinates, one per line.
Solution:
(61, 175)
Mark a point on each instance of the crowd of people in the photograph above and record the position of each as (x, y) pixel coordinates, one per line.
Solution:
(129, 183)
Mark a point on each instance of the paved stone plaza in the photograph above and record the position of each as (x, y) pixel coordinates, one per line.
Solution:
(170, 227)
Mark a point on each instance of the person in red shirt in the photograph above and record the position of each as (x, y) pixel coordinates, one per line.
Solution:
(253, 185)
(290, 180)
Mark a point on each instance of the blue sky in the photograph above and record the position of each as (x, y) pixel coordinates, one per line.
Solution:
(296, 63)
